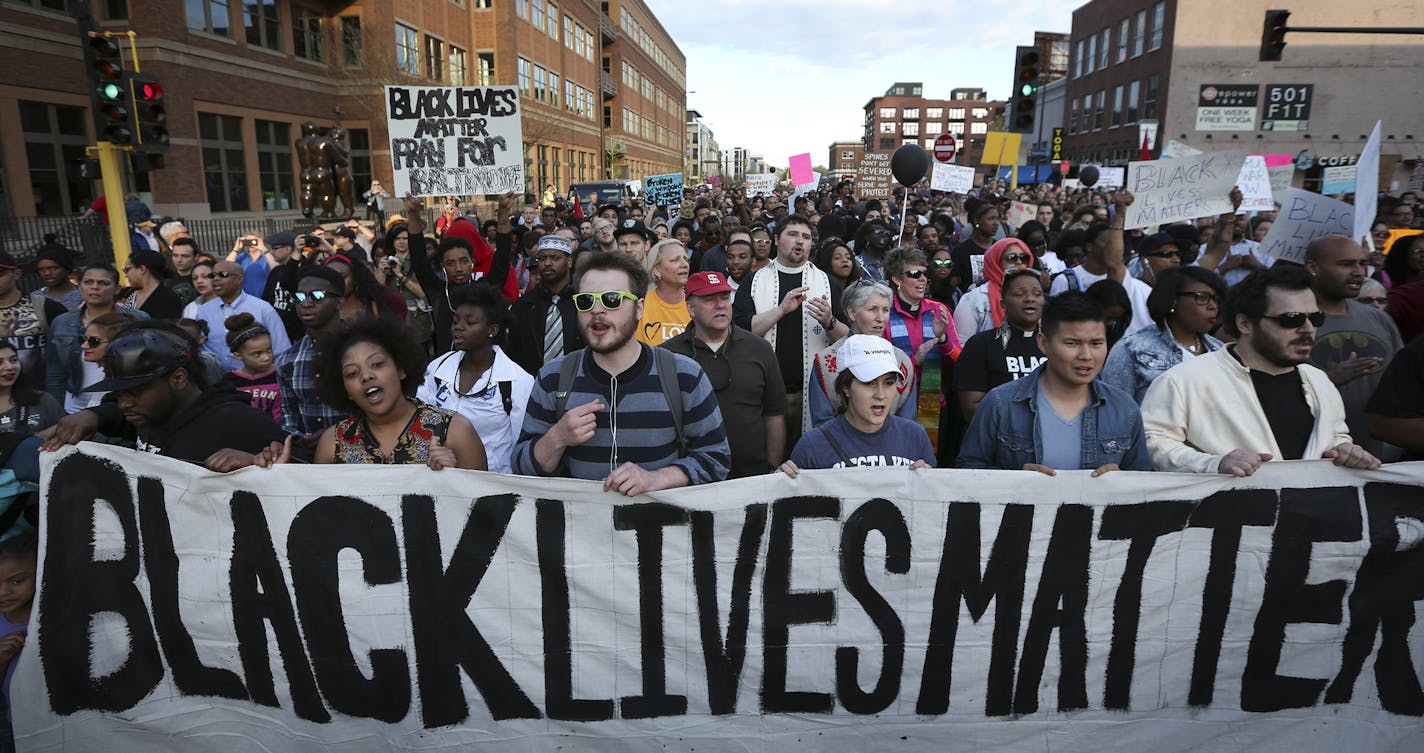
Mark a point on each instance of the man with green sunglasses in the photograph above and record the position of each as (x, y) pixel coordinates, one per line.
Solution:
(618, 410)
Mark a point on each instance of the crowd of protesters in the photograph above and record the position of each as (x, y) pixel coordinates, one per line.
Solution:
(729, 336)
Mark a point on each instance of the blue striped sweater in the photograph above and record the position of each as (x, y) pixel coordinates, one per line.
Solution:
(636, 426)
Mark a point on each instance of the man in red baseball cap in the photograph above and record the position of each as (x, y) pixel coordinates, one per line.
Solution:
(743, 371)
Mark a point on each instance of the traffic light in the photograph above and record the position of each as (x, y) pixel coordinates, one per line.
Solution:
(1024, 100)
(150, 113)
(112, 116)
(1273, 35)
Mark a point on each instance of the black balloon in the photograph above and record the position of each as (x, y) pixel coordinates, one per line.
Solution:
(910, 164)
(1088, 176)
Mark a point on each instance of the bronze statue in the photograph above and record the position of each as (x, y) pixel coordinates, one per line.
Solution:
(317, 184)
(341, 170)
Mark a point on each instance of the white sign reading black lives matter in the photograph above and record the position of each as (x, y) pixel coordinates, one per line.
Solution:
(378, 608)
(455, 140)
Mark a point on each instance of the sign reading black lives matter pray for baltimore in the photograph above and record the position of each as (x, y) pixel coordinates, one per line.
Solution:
(376, 608)
(455, 140)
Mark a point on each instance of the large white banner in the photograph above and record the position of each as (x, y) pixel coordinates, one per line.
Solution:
(455, 140)
(1184, 188)
(355, 608)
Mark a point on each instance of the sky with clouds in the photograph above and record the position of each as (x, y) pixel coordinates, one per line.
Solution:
(792, 76)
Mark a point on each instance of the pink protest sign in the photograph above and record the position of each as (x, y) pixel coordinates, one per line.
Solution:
(801, 172)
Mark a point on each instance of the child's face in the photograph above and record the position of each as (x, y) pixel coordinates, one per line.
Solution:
(17, 583)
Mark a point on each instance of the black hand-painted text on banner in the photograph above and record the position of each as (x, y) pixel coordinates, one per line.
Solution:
(449, 140)
(872, 609)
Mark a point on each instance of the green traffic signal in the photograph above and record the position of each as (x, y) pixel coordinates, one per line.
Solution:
(1027, 90)
(110, 91)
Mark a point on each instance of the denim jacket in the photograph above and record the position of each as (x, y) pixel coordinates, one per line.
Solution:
(1142, 356)
(64, 362)
(1004, 433)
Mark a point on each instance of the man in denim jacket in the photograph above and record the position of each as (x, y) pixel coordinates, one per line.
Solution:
(1060, 417)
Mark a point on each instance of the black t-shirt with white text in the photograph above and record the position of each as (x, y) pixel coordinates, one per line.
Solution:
(984, 363)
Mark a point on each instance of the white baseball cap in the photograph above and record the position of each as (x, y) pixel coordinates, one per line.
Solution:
(868, 357)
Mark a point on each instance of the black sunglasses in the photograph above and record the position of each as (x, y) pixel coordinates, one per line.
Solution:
(1016, 258)
(225, 275)
(1296, 319)
(92, 341)
(611, 299)
(315, 296)
(942, 263)
(914, 274)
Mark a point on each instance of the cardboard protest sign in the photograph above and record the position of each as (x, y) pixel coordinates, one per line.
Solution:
(1175, 149)
(760, 184)
(1111, 177)
(951, 178)
(873, 179)
(1001, 148)
(455, 140)
(379, 608)
(800, 170)
(1185, 188)
(1305, 216)
(1019, 213)
(1337, 180)
(1367, 172)
(663, 190)
(1255, 184)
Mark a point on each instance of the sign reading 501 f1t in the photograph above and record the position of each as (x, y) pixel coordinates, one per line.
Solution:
(1287, 107)
(455, 140)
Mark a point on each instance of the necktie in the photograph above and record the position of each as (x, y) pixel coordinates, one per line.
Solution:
(553, 332)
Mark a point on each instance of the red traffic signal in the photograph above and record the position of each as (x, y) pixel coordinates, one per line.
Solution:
(150, 113)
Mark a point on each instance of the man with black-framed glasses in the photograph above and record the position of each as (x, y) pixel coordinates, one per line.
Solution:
(638, 418)
(1258, 399)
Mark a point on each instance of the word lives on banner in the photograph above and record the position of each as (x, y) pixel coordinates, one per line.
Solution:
(455, 140)
(314, 608)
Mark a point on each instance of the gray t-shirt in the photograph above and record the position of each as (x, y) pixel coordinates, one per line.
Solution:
(1062, 437)
(1366, 332)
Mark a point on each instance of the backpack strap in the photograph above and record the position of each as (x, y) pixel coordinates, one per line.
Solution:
(568, 369)
(836, 446)
(667, 375)
(37, 301)
(506, 393)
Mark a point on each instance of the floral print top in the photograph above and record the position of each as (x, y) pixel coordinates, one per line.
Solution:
(356, 445)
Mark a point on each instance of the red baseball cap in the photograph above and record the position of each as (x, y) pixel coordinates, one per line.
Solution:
(707, 283)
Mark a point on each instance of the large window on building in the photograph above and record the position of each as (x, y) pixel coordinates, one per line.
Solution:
(553, 89)
(887, 112)
(459, 67)
(360, 140)
(539, 83)
(263, 25)
(551, 25)
(536, 13)
(351, 44)
(1105, 49)
(212, 16)
(274, 163)
(1078, 59)
(911, 113)
(1073, 116)
(484, 69)
(1159, 20)
(1124, 32)
(888, 127)
(1139, 36)
(224, 173)
(306, 34)
(1134, 92)
(1149, 98)
(911, 128)
(1116, 119)
(434, 59)
(1101, 105)
(407, 50)
(934, 128)
(1092, 58)
(55, 137)
(978, 128)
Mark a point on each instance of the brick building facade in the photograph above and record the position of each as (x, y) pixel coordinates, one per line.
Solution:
(904, 116)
